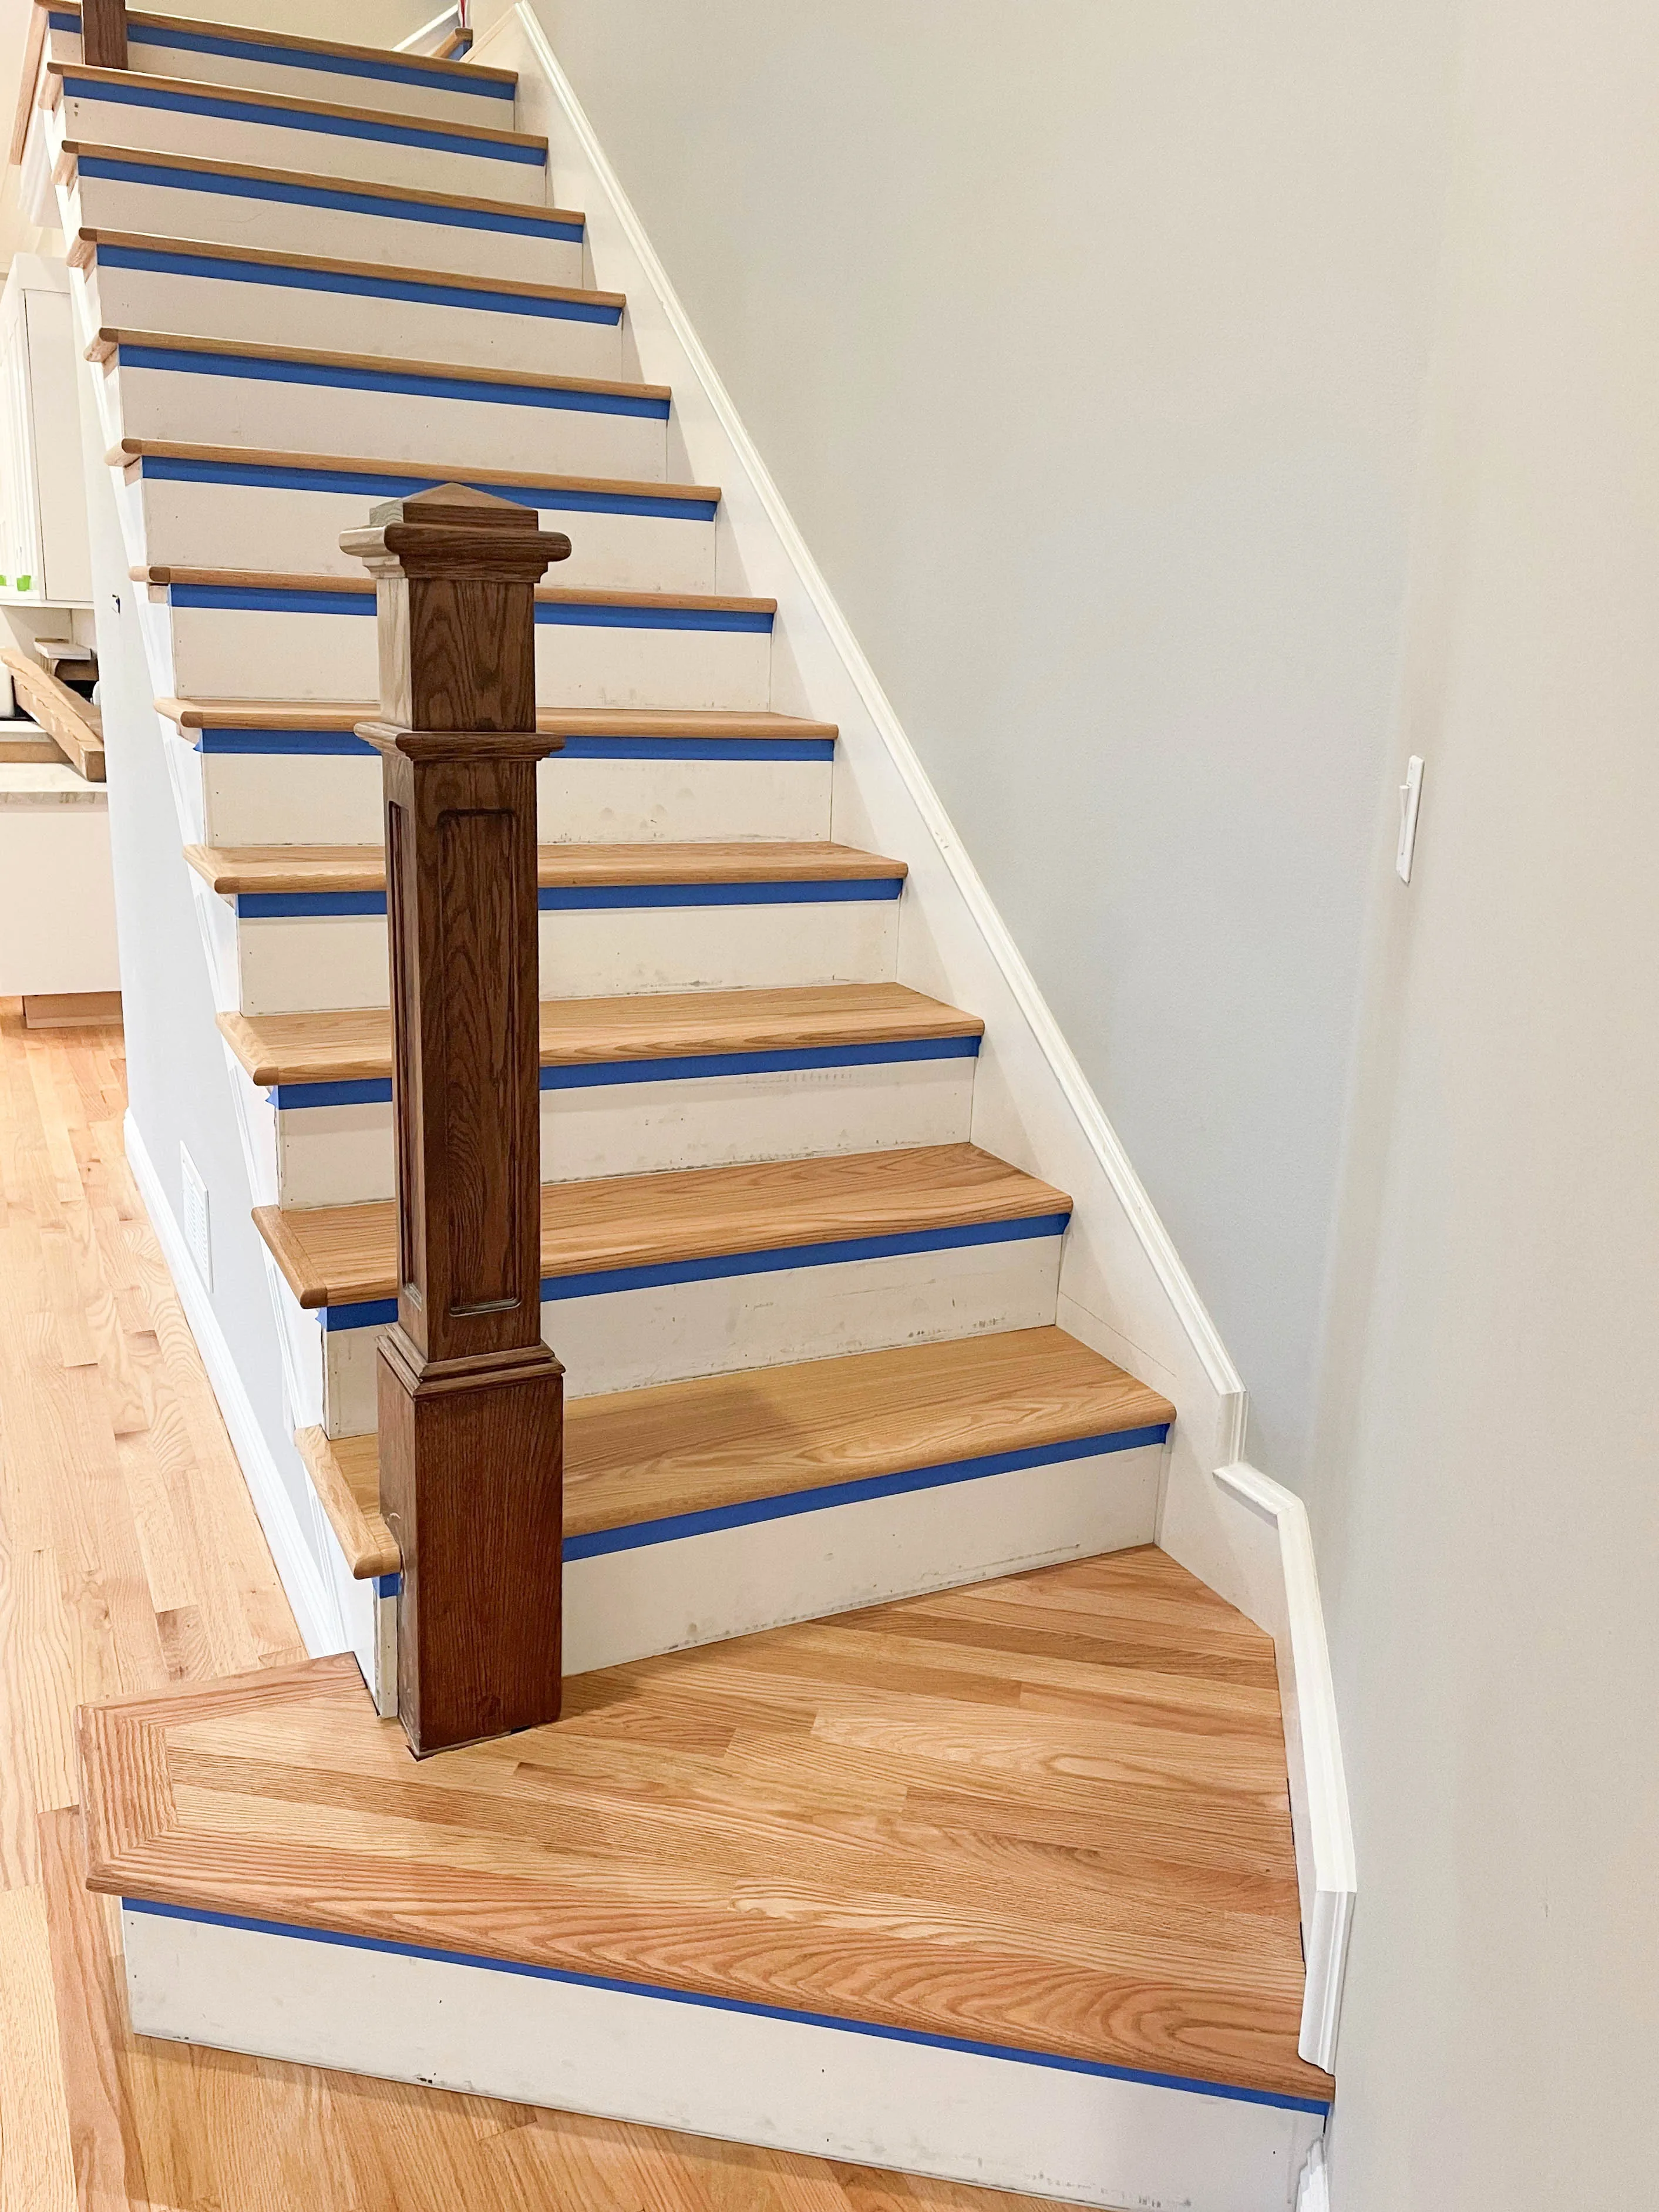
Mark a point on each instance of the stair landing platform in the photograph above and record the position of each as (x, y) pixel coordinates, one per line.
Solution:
(996, 1884)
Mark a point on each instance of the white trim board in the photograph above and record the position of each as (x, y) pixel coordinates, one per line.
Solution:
(314, 1608)
(1123, 1289)
(747, 2072)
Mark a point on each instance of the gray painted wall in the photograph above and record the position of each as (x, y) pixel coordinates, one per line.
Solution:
(1086, 343)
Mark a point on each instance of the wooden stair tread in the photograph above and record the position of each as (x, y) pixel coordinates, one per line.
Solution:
(110, 339)
(286, 103)
(322, 868)
(200, 165)
(441, 70)
(355, 1046)
(1047, 1812)
(268, 580)
(556, 721)
(729, 1439)
(346, 1255)
(84, 247)
(138, 449)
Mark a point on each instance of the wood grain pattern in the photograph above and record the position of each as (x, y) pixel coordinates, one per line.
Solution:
(552, 722)
(104, 33)
(1047, 1812)
(84, 250)
(728, 1439)
(131, 450)
(270, 580)
(74, 724)
(337, 1254)
(286, 103)
(71, 1010)
(36, 2174)
(106, 346)
(234, 868)
(73, 148)
(355, 1046)
(281, 38)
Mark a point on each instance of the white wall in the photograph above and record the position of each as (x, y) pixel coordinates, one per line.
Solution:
(1488, 1498)
(1084, 343)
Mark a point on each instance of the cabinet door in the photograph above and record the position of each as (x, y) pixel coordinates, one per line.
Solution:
(65, 553)
(20, 562)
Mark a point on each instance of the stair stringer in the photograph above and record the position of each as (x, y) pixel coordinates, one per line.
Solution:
(1124, 1290)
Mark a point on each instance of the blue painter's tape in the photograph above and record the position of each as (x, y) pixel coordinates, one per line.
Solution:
(587, 897)
(359, 200)
(388, 1585)
(672, 1528)
(1055, 2061)
(277, 56)
(290, 906)
(230, 110)
(281, 741)
(349, 377)
(557, 1289)
(362, 484)
(589, 615)
(153, 261)
(260, 600)
(372, 1091)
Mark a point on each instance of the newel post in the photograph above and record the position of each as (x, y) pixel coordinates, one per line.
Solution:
(471, 1399)
(104, 33)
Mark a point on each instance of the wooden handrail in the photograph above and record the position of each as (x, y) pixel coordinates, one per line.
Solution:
(104, 33)
(75, 726)
(471, 1399)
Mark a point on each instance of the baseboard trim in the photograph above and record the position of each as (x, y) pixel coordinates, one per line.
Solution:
(313, 1608)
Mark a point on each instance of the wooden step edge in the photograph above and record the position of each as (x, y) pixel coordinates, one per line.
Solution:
(131, 451)
(255, 870)
(573, 1032)
(106, 346)
(290, 104)
(346, 1255)
(672, 1449)
(86, 245)
(562, 721)
(71, 150)
(259, 580)
(442, 72)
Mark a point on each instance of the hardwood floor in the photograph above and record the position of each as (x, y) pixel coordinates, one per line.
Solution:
(129, 1557)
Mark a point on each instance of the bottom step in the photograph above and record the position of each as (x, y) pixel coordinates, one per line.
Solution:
(996, 1885)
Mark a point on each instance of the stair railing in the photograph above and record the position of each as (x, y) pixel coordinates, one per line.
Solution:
(471, 1400)
(104, 33)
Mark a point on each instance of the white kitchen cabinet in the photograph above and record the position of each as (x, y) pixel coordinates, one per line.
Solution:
(45, 558)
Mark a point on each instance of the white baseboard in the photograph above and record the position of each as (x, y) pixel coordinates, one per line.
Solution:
(314, 1609)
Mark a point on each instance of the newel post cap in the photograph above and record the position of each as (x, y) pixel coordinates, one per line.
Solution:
(451, 529)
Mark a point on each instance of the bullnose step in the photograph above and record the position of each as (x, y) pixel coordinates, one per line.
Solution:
(267, 871)
(162, 458)
(142, 29)
(333, 716)
(135, 164)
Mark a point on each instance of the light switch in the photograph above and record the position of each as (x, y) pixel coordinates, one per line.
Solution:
(1411, 799)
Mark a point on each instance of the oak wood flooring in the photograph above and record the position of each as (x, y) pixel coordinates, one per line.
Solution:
(130, 1557)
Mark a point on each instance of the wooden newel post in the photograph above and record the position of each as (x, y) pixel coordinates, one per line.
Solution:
(104, 33)
(471, 1399)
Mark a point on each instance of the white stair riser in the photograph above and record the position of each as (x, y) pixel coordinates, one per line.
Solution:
(305, 964)
(350, 321)
(786, 2081)
(384, 91)
(107, 120)
(284, 529)
(339, 1155)
(298, 225)
(627, 1340)
(241, 653)
(194, 407)
(261, 799)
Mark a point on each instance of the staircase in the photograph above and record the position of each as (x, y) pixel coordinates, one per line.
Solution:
(973, 1856)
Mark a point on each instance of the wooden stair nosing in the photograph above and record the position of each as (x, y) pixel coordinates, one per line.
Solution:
(723, 1440)
(559, 721)
(130, 452)
(340, 1256)
(106, 347)
(163, 577)
(470, 202)
(84, 248)
(285, 103)
(633, 1840)
(442, 73)
(355, 1046)
(255, 869)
